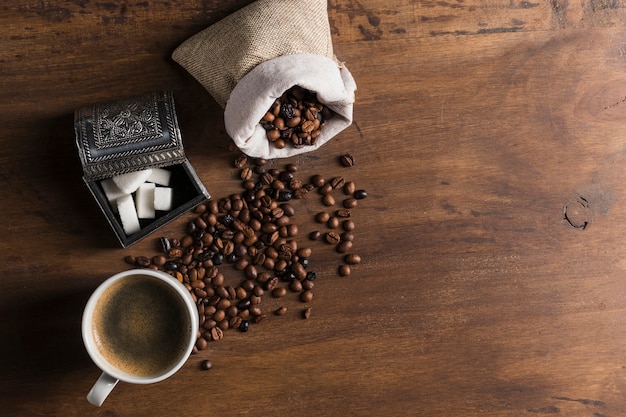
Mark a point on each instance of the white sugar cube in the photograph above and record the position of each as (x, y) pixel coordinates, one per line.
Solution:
(128, 214)
(112, 192)
(163, 198)
(129, 182)
(144, 201)
(160, 176)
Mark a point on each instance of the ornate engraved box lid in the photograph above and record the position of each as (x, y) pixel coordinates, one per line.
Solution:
(128, 135)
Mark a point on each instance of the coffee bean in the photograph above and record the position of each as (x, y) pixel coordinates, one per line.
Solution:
(306, 313)
(295, 117)
(347, 160)
(201, 344)
(279, 292)
(142, 261)
(306, 296)
(328, 200)
(322, 217)
(350, 203)
(332, 237)
(337, 182)
(349, 188)
(206, 364)
(344, 246)
(348, 225)
(244, 326)
(315, 235)
(241, 161)
(280, 311)
(352, 259)
(317, 180)
(333, 223)
(344, 270)
(360, 194)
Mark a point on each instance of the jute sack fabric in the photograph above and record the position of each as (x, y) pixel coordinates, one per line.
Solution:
(250, 58)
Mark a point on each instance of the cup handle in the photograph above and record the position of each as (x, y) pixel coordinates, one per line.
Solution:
(101, 389)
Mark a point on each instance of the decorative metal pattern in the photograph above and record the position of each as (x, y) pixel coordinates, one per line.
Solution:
(126, 121)
(128, 135)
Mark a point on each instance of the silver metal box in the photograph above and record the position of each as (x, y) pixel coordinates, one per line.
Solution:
(130, 135)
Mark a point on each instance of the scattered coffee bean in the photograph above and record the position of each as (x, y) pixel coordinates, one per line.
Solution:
(332, 237)
(360, 194)
(347, 160)
(349, 188)
(206, 364)
(322, 217)
(350, 203)
(254, 232)
(352, 259)
(328, 200)
(306, 313)
(279, 292)
(306, 296)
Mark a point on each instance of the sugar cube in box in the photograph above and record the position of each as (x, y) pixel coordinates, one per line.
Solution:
(134, 164)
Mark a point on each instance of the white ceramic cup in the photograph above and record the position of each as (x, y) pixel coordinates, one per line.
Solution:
(111, 374)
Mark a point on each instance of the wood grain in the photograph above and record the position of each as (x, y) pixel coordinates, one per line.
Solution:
(489, 136)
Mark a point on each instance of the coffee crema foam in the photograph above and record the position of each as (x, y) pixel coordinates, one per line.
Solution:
(141, 326)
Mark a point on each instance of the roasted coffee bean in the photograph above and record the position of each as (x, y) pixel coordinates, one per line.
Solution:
(159, 260)
(333, 223)
(332, 237)
(347, 236)
(206, 364)
(343, 213)
(280, 311)
(322, 217)
(130, 259)
(326, 188)
(317, 180)
(217, 333)
(349, 188)
(142, 261)
(347, 160)
(306, 296)
(288, 209)
(295, 286)
(165, 244)
(279, 292)
(241, 160)
(360, 194)
(170, 266)
(315, 235)
(344, 270)
(306, 313)
(201, 344)
(352, 259)
(337, 182)
(350, 203)
(244, 326)
(304, 252)
(348, 225)
(328, 200)
(344, 246)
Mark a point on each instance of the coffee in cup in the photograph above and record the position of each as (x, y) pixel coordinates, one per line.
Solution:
(139, 326)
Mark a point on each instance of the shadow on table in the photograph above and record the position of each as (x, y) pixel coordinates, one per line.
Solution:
(42, 339)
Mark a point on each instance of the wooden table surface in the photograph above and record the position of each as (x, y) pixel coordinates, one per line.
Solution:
(490, 139)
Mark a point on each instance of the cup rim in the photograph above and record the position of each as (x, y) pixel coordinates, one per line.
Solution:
(89, 343)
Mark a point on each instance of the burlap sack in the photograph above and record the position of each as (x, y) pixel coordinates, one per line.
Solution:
(251, 57)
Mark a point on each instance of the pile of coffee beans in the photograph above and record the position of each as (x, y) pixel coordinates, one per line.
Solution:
(295, 118)
(252, 232)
